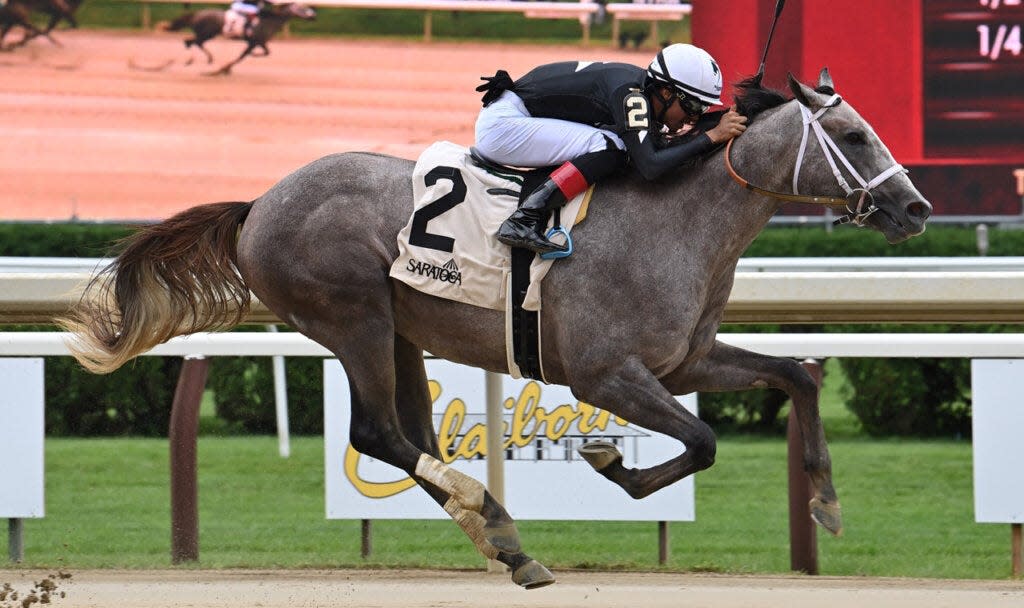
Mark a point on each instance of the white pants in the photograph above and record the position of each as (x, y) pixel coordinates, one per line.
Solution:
(245, 9)
(507, 134)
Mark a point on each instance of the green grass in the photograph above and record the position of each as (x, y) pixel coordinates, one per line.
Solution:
(908, 507)
(839, 422)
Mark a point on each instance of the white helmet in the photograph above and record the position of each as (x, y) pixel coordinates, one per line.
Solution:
(688, 70)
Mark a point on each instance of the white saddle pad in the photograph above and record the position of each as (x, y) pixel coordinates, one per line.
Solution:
(449, 248)
(234, 24)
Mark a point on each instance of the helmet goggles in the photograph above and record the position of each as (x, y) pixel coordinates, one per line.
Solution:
(691, 105)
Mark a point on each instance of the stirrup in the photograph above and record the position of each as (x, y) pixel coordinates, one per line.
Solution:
(554, 255)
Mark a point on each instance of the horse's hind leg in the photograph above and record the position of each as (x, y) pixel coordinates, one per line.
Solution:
(224, 71)
(31, 31)
(727, 368)
(196, 42)
(491, 529)
(188, 47)
(632, 392)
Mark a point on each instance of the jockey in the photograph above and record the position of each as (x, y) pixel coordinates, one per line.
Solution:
(590, 118)
(250, 9)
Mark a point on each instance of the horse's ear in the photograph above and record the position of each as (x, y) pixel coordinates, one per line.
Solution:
(825, 85)
(800, 92)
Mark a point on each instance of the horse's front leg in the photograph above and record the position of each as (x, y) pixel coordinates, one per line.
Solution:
(224, 71)
(631, 391)
(52, 23)
(196, 42)
(728, 368)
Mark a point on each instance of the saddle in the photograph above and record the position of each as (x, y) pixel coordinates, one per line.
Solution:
(236, 24)
(531, 178)
(522, 326)
(449, 246)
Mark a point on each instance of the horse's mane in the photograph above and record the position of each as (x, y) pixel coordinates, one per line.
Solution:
(751, 98)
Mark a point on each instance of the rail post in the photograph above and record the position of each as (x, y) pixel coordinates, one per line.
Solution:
(15, 539)
(365, 538)
(803, 540)
(1017, 547)
(184, 430)
(664, 549)
(495, 449)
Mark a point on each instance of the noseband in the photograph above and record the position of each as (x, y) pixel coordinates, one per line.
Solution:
(855, 215)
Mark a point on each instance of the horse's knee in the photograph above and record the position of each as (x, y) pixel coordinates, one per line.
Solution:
(703, 446)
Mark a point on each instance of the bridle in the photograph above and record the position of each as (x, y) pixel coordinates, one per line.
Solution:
(855, 215)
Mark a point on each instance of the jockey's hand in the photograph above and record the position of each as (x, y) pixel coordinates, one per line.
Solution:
(732, 125)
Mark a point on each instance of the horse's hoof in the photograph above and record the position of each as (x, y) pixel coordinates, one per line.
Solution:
(828, 514)
(599, 454)
(532, 575)
(504, 537)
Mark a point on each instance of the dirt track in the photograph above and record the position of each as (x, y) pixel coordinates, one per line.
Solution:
(84, 134)
(418, 588)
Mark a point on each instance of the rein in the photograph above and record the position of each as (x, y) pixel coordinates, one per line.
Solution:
(831, 151)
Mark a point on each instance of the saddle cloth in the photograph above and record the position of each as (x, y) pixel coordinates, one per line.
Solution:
(449, 248)
(234, 24)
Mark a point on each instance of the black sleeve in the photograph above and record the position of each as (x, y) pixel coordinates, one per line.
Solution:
(634, 117)
(652, 162)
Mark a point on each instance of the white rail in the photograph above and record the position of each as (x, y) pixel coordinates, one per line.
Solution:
(757, 297)
(894, 264)
(970, 345)
(646, 12)
(759, 264)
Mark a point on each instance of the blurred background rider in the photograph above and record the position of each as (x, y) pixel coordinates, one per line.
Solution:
(251, 10)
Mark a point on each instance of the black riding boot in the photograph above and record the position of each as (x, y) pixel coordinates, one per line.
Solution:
(523, 228)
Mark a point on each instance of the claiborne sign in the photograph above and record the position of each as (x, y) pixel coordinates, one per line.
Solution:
(544, 476)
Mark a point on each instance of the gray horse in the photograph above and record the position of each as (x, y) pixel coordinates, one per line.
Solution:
(209, 23)
(629, 320)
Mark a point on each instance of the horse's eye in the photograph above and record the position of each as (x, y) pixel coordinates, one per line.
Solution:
(855, 138)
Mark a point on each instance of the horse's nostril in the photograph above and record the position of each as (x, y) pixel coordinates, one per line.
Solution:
(919, 210)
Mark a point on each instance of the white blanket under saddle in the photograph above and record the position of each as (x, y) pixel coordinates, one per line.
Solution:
(454, 252)
(234, 24)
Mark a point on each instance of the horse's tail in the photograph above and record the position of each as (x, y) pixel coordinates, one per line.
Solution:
(180, 23)
(174, 278)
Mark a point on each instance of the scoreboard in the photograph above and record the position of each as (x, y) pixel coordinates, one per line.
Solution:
(941, 81)
(973, 76)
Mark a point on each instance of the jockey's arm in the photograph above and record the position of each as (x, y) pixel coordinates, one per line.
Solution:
(653, 162)
(645, 145)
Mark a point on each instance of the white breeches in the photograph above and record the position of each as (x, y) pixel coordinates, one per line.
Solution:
(245, 9)
(507, 134)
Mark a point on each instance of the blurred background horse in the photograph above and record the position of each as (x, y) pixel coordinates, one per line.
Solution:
(209, 23)
(56, 10)
(18, 13)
